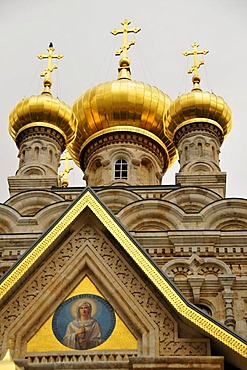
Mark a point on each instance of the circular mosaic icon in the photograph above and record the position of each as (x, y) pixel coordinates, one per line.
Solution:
(83, 321)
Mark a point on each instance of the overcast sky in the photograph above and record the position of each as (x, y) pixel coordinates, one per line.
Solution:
(80, 29)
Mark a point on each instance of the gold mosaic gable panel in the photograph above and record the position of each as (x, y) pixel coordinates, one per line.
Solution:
(45, 340)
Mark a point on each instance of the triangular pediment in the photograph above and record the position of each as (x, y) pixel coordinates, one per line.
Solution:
(88, 242)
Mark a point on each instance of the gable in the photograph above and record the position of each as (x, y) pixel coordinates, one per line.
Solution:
(88, 242)
(87, 252)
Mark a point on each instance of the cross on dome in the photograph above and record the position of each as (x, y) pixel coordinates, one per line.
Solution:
(125, 30)
(50, 68)
(197, 63)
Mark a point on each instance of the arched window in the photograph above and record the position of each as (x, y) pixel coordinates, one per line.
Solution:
(50, 156)
(205, 308)
(121, 169)
(36, 152)
(186, 152)
(213, 151)
(200, 151)
(22, 159)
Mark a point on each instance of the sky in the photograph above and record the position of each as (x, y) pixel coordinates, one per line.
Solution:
(80, 30)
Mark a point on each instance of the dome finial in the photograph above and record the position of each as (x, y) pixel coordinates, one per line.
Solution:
(124, 63)
(197, 63)
(50, 68)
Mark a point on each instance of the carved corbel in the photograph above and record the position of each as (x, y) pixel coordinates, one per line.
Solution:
(136, 162)
(105, 162)
(196, 284)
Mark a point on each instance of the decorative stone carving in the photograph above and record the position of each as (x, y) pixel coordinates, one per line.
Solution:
(199, 148)
(144, 161)
(228, 296)
(39, 152)
(196, 270)
(16, 313)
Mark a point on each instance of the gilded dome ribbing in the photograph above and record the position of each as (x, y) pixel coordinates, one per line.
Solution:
(121, 105)
(43, 111)
(198, 106)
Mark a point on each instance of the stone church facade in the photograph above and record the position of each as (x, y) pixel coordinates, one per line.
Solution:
(163, 268)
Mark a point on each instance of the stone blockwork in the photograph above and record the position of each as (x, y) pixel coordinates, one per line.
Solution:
(88, 252)
(146, 161)
(199, 152)
(197, 237)
(122, 361)
(39, 156)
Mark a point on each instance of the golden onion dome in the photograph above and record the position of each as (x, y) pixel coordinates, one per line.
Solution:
(43, 111)
(198, 106)
(7, 362)
(122, 105)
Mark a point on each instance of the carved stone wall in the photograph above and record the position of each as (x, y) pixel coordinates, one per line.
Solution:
(199, 152)
(169, 223)
(210, 281)
(145, 160)
(39, 156)
(89, 252)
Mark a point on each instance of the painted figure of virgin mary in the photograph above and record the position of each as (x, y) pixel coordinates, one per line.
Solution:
(84, 332)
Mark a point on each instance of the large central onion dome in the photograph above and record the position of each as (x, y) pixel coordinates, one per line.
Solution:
(123, 106)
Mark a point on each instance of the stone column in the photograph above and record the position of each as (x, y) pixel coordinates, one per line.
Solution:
(226, 282)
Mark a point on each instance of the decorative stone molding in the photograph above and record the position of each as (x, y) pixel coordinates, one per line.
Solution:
(145, 159)
(89, 252)
(228, 296)
(195, 270)
(197, 266)
(199, 153)
(196, 284)
(121, 360)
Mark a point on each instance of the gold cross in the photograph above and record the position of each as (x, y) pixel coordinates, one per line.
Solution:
(125, 30)
(197, 63)
(49, 56)
(67, 169)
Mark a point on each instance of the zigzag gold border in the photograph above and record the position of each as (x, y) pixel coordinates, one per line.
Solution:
(88, 200)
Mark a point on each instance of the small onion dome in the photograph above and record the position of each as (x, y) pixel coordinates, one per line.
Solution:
(42, 111)
(198, 109)
(7, 362)
(124, 106)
